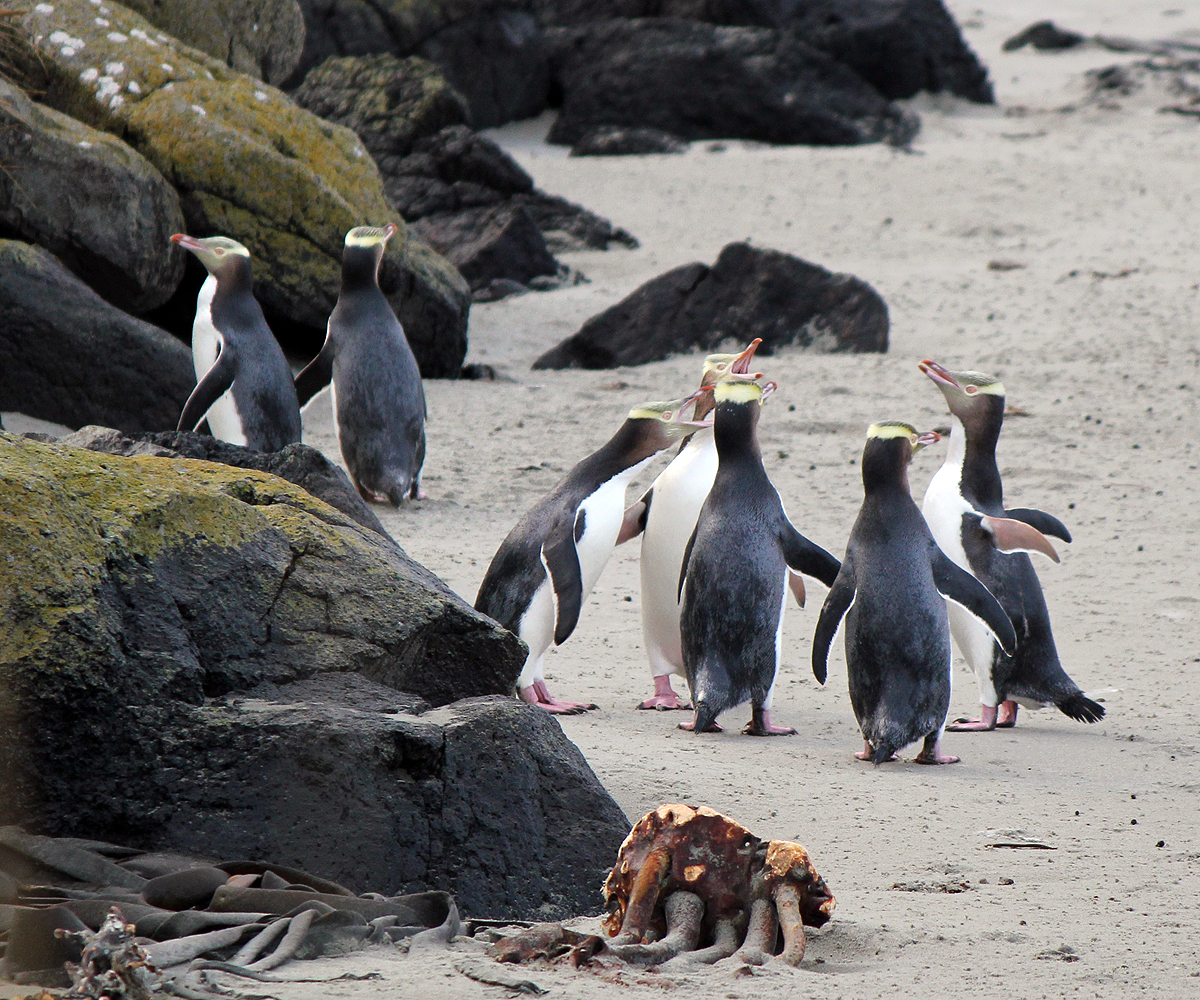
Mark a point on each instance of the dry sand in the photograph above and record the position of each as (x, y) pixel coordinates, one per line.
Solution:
(1107, 367)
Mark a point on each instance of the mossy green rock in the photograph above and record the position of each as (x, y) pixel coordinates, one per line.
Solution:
(247, 163)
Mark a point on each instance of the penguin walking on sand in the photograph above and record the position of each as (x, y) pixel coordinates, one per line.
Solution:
(377, 396)
(243, 382)
(964, 506)
(735, 573)
(892, 591)
(666, 516)
(546, 567)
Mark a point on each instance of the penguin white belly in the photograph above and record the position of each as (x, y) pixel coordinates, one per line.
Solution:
(778, 643)
(679, 493)
(603, 512)
(536, 630)
(943, 508)
(223, 418)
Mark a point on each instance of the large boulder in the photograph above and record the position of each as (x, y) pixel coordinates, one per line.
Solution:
(209, 659)
(261, 37)
(749, 292)
(69, 357)
(89, 199)
(699, 81)
(490, 244)
(247, 163)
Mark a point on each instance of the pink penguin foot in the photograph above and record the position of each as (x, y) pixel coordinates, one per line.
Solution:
(539, 695)
(665, 699)
(984, 724)
(931, 753)
(867, 753)
(690, 727)
(760, 725)
(1006, 715)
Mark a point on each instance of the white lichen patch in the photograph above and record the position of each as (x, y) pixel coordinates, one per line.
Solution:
(44, 8)
(167, 67)
(67, 51)
(63, 38)
(84, 144)
(108, 87)
(200, 111)
(102, 22)
(133, 87)
(260, 95)
(169, 85)
(141, 36)
(114, 68)
(116, 36)
(89, 74)
(116, 101)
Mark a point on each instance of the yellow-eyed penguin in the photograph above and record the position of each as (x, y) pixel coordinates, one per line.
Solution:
(666, 515)
(736, 571)
(546, 567)
(964, 506)
(890, 591)
(243, 382)
(377, 396)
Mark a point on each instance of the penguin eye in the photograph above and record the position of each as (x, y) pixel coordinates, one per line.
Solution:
(972, 389)
(666, 415)
(220, 251)
(912, 438)
(722, 366)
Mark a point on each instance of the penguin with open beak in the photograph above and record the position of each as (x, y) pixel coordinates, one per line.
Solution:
(377, 396)
(964, 506)
(666, 515)
(243, 382)
(892, 591)
(546, 567)
(736, 572)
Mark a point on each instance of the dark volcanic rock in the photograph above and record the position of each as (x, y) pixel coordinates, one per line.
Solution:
(488, 244)
(747, 293)
(698, 81)
(609, 141)
(1045, 35)
(900, 47)
(68, 356)
(567, 226)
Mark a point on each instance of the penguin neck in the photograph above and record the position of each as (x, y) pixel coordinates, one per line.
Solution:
(360, 270)
(234, 278)
(885, 469)
(635, 443)
(974, 452)
(734, 431)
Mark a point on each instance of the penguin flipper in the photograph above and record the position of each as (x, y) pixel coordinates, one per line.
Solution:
(683, 567)
(1011, 535)
(1047, 524)
(562, 561)
(957, 585)
(213, 386)
(837, 603)
(808, 557)
(317, 374)
(634, 522)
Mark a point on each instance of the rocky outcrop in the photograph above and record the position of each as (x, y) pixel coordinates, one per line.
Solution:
(490, 244)
(68, 356)
(699, 81)
(747, 293)
(247, 163)
(263, 38)
(607, 140)
(89, 199)
(209, 659)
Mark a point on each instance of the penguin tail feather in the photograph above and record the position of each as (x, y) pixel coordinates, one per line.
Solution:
(882, 752)
(706, 717)
(399, 489)
(1081, 708)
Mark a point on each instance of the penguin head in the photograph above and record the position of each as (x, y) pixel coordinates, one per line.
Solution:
(718, 366)
(738, 402)
(890, 446)
(977, 399)
(666, 420)
(218, 254)
(363, 252)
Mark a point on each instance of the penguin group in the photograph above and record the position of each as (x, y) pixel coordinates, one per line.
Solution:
(719, 556)
(245, 388)
(718, 552)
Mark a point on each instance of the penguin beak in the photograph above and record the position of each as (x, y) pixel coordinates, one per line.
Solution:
(697, 424)
(767, 389)
(928, 438)
(940, 376)
(187, 242)
(741, 364)
(390, 230)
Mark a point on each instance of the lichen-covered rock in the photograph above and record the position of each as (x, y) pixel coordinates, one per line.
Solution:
(68, 356)
(261, 37)
(89, 199)
(749, 292)
(247, 163)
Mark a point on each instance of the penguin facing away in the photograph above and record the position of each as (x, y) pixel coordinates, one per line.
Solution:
(243, 382)
(892, 591)
(964, 506)
(377, 396)
(735, 573)
(665, 515)
(543, 571)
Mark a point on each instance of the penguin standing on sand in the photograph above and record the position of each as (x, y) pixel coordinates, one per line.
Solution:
(735, 573)
(377, 396)
(546, 567)
(666, 515)
(890, 590)
(964, 506)
(244, 385)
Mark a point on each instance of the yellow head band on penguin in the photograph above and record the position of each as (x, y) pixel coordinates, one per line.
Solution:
(887, 429)
(370, 236)
(736, 390)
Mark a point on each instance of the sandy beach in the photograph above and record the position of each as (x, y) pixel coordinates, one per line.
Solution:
(1096, 335)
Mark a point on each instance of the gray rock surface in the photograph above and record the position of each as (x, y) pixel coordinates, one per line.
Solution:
(490, 244)
(261, 37)
(749, 292)
(69, 357)
(90, 200)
